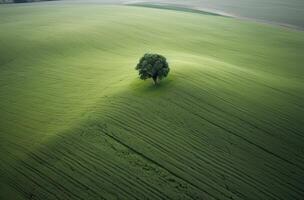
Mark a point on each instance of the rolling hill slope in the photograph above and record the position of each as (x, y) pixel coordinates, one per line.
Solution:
(280, 12)
(286, 13)
(77, 123)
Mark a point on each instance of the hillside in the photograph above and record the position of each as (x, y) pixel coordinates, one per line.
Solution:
(77, 123)
(21, 1)
(280, 12)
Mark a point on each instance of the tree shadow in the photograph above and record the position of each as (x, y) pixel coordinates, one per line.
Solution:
(148, 87)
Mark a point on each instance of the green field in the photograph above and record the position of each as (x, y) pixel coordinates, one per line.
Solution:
(77, 123)
(287, 13)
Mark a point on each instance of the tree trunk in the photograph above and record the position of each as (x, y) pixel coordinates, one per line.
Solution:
(154, 79)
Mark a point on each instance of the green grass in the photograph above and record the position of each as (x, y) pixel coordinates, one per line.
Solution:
(288, 13)
(77, 123)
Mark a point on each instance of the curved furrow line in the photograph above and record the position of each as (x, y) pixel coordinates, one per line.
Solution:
(198, 86)
(58, 171)
(18, 187)
(248, 141)
(191, 101)
(214, 166)
(101, 178)
(15, 184)
(163, 167)
(128, 175)
(238, 174)
(129, 129)
(227, 116)
(241, 76)
(148, 139)
(293, 129)
(207, 111)
(298, 194)
(270, 153)
(113, 169)
(255, 80)
(218, 161)
(21, 172)
(51, 180)
(172, 152)
(96, 160)
(136, 123)
(79, 168)
(199, 99)
(217, 115)
(264, 122)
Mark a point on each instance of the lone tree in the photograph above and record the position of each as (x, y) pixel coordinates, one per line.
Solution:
(152, 66)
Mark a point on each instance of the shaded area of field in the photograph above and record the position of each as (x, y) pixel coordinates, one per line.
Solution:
(279, 12)
(175, 8)
(76, 123)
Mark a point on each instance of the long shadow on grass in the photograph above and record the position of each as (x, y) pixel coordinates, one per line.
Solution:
(176, 140)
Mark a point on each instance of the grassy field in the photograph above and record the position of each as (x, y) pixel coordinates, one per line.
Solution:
(290, 13)
(280, 12)
(77, 123)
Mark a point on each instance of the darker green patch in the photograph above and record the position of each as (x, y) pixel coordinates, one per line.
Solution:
(175, 8)
(149, 87)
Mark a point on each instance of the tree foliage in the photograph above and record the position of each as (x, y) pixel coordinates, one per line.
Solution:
(153, 66)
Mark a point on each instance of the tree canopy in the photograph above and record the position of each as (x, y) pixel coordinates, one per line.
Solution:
(153, 66)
